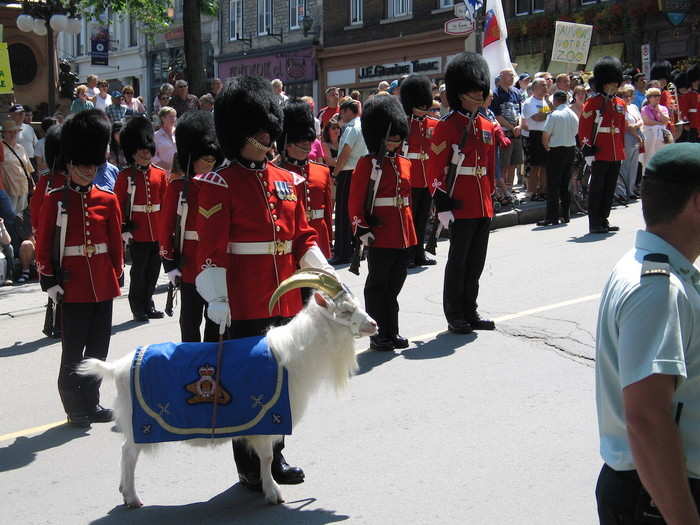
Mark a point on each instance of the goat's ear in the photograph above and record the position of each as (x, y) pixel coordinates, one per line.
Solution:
(320, 300)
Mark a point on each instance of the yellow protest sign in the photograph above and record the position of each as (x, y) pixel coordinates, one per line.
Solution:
(5, 71)
(571, 42)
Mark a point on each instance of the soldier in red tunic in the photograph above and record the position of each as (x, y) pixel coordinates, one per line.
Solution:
(253, 234)
(694, 107)
(601, 130)
(140, 189)
(85, 270)
(464, 166)
(197, 152)
(417, 99)
(686, 101)
(315, 188)
(388, 230)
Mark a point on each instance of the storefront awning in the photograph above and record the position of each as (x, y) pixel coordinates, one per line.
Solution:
(598, 52)
(529, 63)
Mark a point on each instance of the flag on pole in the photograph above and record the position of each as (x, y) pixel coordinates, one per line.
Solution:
(472, 7)
(495, 49)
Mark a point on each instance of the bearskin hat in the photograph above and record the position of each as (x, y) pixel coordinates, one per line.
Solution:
(84, 138)
(681, 80)
(466, 72)
(52, 147)
(380, 112)
(245, 106)
(196, 137)
(299, 123)
(606, 71)
(416, 92)
(135, 135)
(694, 73)
(661, 70)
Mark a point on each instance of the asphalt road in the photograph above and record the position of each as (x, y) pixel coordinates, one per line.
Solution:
(495, 428)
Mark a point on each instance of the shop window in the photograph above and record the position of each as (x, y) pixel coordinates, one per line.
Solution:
(399, 8)
(133, 35)
(264, 17)
(446, 3)
(297, 10)
(355, 12)
(235, 20)
(525, 7)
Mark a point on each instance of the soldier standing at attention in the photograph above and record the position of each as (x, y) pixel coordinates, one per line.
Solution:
(140, 189)
(417, 100)
(464, 164)
(83, 268)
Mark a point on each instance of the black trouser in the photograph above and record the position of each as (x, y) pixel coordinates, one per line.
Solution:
(469, 240)
(601, 190)
(247, 461)
(192, 309)
(694, 135)
(86, 330)
(387, 269)
(342, 249)
(420, 207)
(145, 267)
(617, 494)
(9, 253)
(560, 162)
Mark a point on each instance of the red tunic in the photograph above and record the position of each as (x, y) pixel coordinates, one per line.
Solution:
(610, 138)
(242, 205)
(419, 152)
(326, 114)
(148, 198)
(94, 219)
(669, 101)
(46, 183)
(395, 220)
(315, 196)
(168, 223)
(694, 111)
(473, 187)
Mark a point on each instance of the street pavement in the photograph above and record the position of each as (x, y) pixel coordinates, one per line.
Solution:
(490, 428)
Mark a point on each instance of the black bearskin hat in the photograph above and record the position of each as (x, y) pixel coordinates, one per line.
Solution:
(52, 147)
(606, 71)
(135, 135)
(661, 70)
(694, 73)
(416, 92)
(84, 138)
(681, 80)
(466, 72)
(245, 106)
(380, 112)
(299, 123)
(195, 137)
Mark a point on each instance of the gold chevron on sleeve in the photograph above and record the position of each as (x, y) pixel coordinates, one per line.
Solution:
(207, 213)
(438, 148)
(587, 114)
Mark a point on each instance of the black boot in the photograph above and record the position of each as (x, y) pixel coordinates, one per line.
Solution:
(282, 472)
(477, 323)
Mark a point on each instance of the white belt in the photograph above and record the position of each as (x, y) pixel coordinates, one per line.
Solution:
(315, 214)
(694, 110)
(608, 130)
(191, 235)
(417, 156)
(145, 208)
(391, 201)
(471, 170)
(260, 248)
(85, 250)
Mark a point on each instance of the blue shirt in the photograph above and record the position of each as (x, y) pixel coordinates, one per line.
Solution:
(638, 99)
(106, 176)
(507, 104)
(648, 325)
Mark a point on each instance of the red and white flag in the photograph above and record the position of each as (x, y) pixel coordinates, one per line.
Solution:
(495, 49)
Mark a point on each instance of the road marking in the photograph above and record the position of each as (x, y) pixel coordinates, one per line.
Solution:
(532, 311)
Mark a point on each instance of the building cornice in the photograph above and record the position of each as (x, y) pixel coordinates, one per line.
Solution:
(427, 37)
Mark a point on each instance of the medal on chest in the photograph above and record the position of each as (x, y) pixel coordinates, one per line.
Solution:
(284, 191)
(486, 137)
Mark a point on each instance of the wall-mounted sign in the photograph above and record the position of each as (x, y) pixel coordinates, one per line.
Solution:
(99, 46)
(424, 66)
(646, 60)
(675, 10)
(459, 27)
(5, 71)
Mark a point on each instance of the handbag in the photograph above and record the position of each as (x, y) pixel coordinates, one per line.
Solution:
(668, 136)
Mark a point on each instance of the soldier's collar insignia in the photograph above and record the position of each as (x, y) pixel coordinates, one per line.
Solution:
(251, 164)
(80, 189)
(296, 162)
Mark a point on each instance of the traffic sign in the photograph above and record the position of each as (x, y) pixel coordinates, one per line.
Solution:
(459, 27)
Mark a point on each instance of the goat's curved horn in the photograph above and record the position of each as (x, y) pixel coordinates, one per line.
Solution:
(307, 278)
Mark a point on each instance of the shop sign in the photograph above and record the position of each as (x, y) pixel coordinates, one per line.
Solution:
(675, 10)
(461, 10)
(424, 66)
(5, 70)
(289, 67)
(99, 47)
(571, 42)
(459, 27)
(646, 60)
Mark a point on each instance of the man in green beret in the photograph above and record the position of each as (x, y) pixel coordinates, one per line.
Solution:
(648, 356)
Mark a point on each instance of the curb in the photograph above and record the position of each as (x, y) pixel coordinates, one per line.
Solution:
(518, 215)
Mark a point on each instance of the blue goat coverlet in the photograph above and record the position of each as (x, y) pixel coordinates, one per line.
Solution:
(172, 387)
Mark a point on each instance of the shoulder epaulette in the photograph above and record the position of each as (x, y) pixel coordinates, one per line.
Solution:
(656, 264)
(212, 178)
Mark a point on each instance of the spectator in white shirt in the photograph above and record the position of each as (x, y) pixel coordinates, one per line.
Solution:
(278, 88)
(165, 139)
(634, 137)
(26, 137)
(102, 99)
(535, 111)
(92, 90)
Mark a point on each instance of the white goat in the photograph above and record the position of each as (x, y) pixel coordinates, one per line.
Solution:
(316, 347)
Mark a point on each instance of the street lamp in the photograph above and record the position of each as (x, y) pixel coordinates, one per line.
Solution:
(45, 18)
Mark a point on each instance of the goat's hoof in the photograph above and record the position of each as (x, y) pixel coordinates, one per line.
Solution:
(133, 503)
(274, 496)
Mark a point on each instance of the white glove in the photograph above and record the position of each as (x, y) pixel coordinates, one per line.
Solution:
(367, 239)
(54, 292)
(219, 313)
(445, 218)
(126, 237)
(211, 285)
(589, 161)
(314, 258)
(173, 275)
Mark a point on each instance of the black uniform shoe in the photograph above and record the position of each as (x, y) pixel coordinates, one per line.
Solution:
(399, 341)
(548, 222)
(602, 229)
(155, 314)
(565, 220)
(477, 323)
(381, 344)
(101, 415)
(426, 261)
(613, 228)
(412, 264)
(78, 419)
(284, 474)
(459, 327)
(141, 318)
(337, 261)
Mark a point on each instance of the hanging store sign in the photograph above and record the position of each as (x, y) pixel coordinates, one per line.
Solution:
(425, 66)
(675, 10)
(99, 47)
